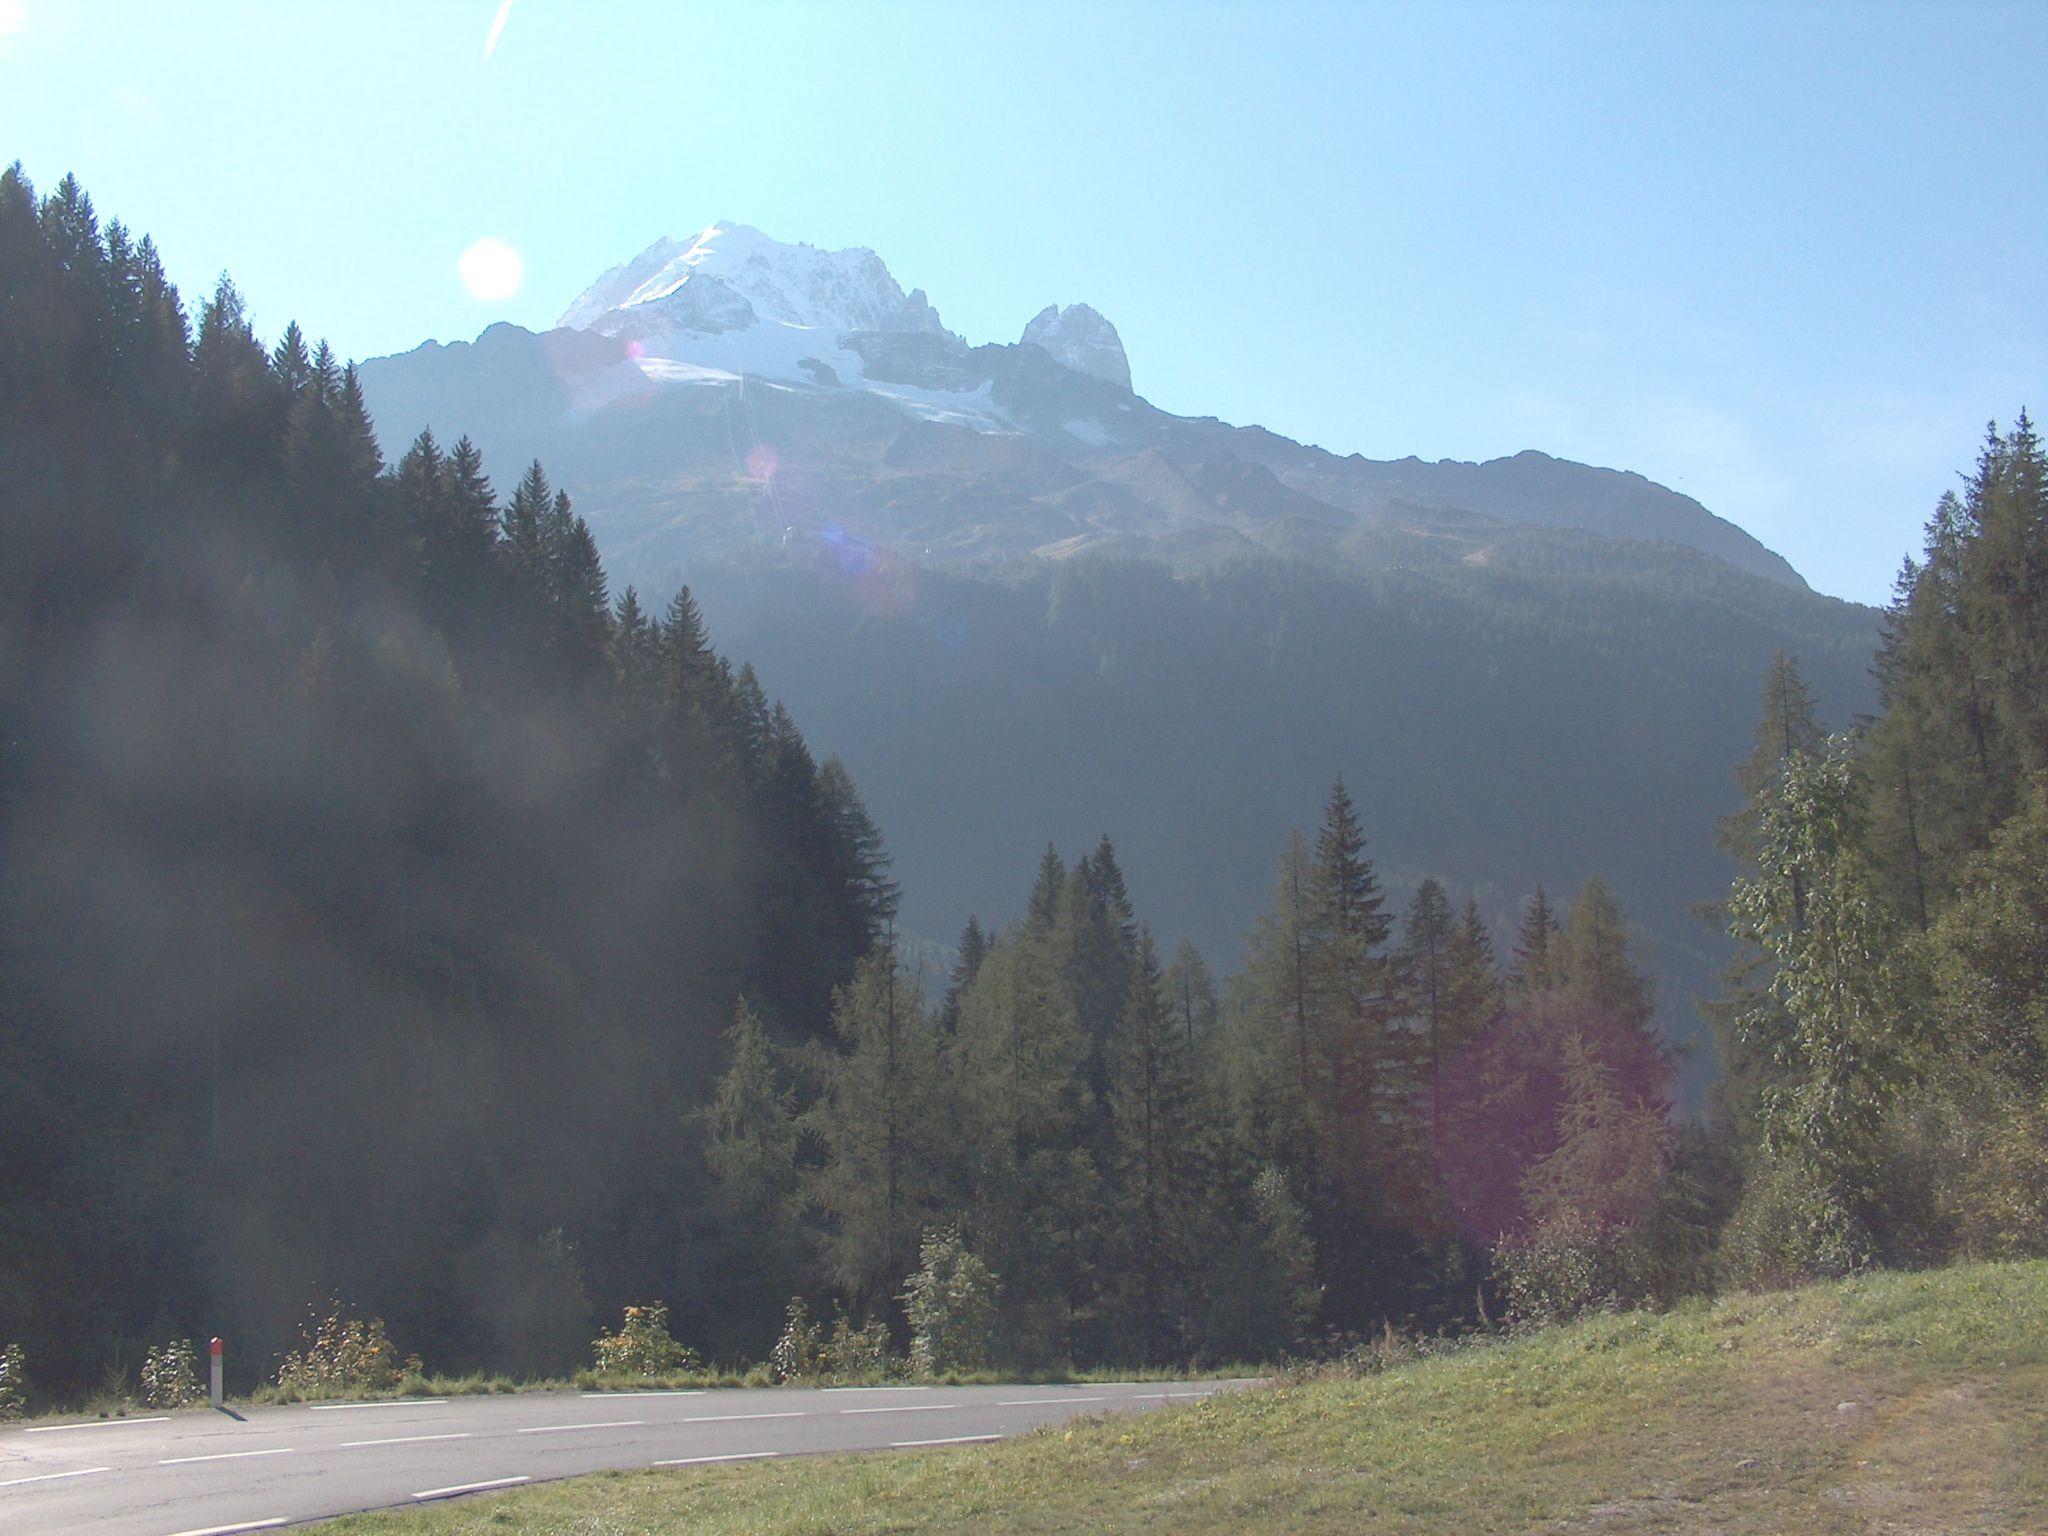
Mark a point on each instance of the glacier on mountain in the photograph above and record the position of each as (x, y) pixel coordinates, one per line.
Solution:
(734, 305)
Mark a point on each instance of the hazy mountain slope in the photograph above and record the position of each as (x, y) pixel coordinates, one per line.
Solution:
(1533, 720)
(1527, 669)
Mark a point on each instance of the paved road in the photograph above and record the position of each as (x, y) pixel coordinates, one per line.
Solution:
(206, 1472)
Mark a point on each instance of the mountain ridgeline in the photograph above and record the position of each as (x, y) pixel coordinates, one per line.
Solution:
(1020, 601)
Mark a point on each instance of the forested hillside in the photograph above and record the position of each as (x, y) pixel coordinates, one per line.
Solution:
(372, 892)
(1550, 717)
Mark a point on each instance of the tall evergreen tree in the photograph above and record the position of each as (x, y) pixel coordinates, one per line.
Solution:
(877, 1122)
(1535, 966)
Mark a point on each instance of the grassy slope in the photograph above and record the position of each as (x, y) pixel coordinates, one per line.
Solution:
(1723, 1417)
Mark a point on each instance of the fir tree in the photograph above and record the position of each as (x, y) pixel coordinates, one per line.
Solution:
(876, 1121)
(1535, 967)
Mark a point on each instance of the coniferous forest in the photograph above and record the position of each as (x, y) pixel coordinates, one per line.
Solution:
(390, 912)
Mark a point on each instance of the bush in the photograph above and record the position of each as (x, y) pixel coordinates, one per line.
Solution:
(799, 1354)
(951, 1301)
(1568, 1266)
(1999, 1205)
(643, 1346)
(13, 1383)
(1792, 1226)
(857, 1354)
(342, 1354)
(170, 1375)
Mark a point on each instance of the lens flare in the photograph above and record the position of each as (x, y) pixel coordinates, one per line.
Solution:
(491, 270)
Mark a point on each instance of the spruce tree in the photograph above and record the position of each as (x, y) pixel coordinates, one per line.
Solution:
(971, 951)
(1153, 1166)
(1535, 965)
(877, 1123)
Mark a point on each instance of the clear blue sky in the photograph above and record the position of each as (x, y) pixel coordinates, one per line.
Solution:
(1787, 259)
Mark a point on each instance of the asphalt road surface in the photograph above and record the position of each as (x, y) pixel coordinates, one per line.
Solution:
(205, 1472)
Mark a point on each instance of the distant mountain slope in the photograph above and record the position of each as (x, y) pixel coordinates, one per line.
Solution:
(1022, 602)
(688, 386)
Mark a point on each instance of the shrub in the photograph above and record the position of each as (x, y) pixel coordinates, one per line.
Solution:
(857, 1354)
(13, 1383)
(1792, 1226)
(339, 1353)
(643, 1346)
(1999, 1205)
(799, 1354)
(951, 1301)
(1568, 1266)
(170, 1375)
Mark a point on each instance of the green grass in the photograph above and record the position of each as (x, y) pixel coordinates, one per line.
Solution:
(1725, 1416)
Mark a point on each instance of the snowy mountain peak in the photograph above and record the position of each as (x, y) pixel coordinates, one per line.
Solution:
(731, 275)
(1083, 340)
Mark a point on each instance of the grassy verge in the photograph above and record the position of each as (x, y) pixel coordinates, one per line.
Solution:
(1889, 1403)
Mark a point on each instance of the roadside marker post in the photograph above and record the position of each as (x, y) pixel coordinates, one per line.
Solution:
(214, 1349)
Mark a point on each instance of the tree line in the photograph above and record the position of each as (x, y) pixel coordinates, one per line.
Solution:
(1885, 1026)
(1354, 1132)
(373, 886)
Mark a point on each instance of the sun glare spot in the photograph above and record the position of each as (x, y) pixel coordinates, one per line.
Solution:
(491, 269)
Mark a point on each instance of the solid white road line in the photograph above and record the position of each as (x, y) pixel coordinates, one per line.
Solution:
(349, 1445)
(1033, 1402)
(51, 1477)
(665, 1392)
(905, 1445)
(563, 1429)
(698, 1461)
(496, 1482)
(908, 1408)
(51, 1429)
(179, 1461)
(878, 1389)
(730, 1418)
(229, 1530)
(401, 1402)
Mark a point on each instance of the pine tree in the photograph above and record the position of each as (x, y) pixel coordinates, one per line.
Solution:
(1593, 957)
(525, 516)
(1429, 961)
(857, 863)
(1046, 891)
(1019, 1065)
(1153, 1166)
(1535, 967)
(972, 950)
(876, 1121)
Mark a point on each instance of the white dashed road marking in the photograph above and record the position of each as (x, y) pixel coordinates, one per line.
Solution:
(731, 1418)
(698, 1461)
(179, 1461)
(50, 1477)
(1033, 1402)
(403, 1402)
(563, 1429)
(349, 1445)
(51, 1429)
(905, 1445)
(229, 1530)
(496, 1482)
(907, 1408)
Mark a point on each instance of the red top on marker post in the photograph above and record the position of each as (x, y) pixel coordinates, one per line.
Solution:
(213, 1348)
